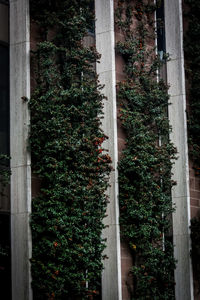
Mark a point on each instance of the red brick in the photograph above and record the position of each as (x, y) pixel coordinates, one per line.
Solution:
(192, 182)
(126, 264)
(119, 64)
(125, 292)
(195, 212)
(195, 194)
(125, 251)
(121, 146)
(197, 184)
(194, 202)
(118, 35)
(192, 172)
(120, 77)
(35, 186)
(196, 290)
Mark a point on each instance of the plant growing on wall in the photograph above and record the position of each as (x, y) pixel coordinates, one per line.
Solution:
(192, 59)
(67, 154)
(145, 166)
(192, 67)
(4, 172)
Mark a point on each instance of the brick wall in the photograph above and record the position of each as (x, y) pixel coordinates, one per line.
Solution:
(195, 209)
(194, 192)
(126, 258)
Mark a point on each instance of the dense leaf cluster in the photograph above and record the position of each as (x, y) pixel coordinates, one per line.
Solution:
(4, 171)
(145, 167)
(67, 154)
(192, 57)
(192, 66)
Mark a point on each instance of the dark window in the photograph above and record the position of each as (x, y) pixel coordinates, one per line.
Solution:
(4, 100)
(4, 1)
(5, 257)
(160, 18)
(5, 265)
(91, 28)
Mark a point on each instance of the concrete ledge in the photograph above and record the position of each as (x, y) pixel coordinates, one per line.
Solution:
(177, 117)
(20, 158)
(111, 277)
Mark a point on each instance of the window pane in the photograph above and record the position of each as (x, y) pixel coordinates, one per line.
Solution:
(4, 1)
(4, 100)
(5, 258)
(3, 22)
(160, 26)
(5, 268)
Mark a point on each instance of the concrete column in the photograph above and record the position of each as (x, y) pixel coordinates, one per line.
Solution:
(177, 117)
(111, 277)
(20, 158)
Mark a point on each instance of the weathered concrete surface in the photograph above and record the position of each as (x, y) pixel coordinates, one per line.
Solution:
(177, 117)
(111, 277)
(20, 158)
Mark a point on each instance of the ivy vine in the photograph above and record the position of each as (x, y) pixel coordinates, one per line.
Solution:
(67, 154)
(4, 172)
(192, 67)
(145, 166)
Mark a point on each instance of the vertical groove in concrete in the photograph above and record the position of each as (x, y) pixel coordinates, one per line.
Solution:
(111, 277)
(177, 117)
(20, 158)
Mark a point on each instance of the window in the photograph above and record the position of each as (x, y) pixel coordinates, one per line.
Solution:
(5, 263)
(160, 19)
(4, 100)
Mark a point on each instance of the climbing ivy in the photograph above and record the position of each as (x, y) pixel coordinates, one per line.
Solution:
(67, 154)
(145, 166)
(191, 10)
(192, 63)
(4, 172)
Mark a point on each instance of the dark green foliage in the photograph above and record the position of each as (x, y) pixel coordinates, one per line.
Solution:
(67, 155)
(195, 252)
(145, 167)
(192, 63)
(192, 57)
(4, 171)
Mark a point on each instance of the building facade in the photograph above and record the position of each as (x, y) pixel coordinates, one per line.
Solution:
(17, 37)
